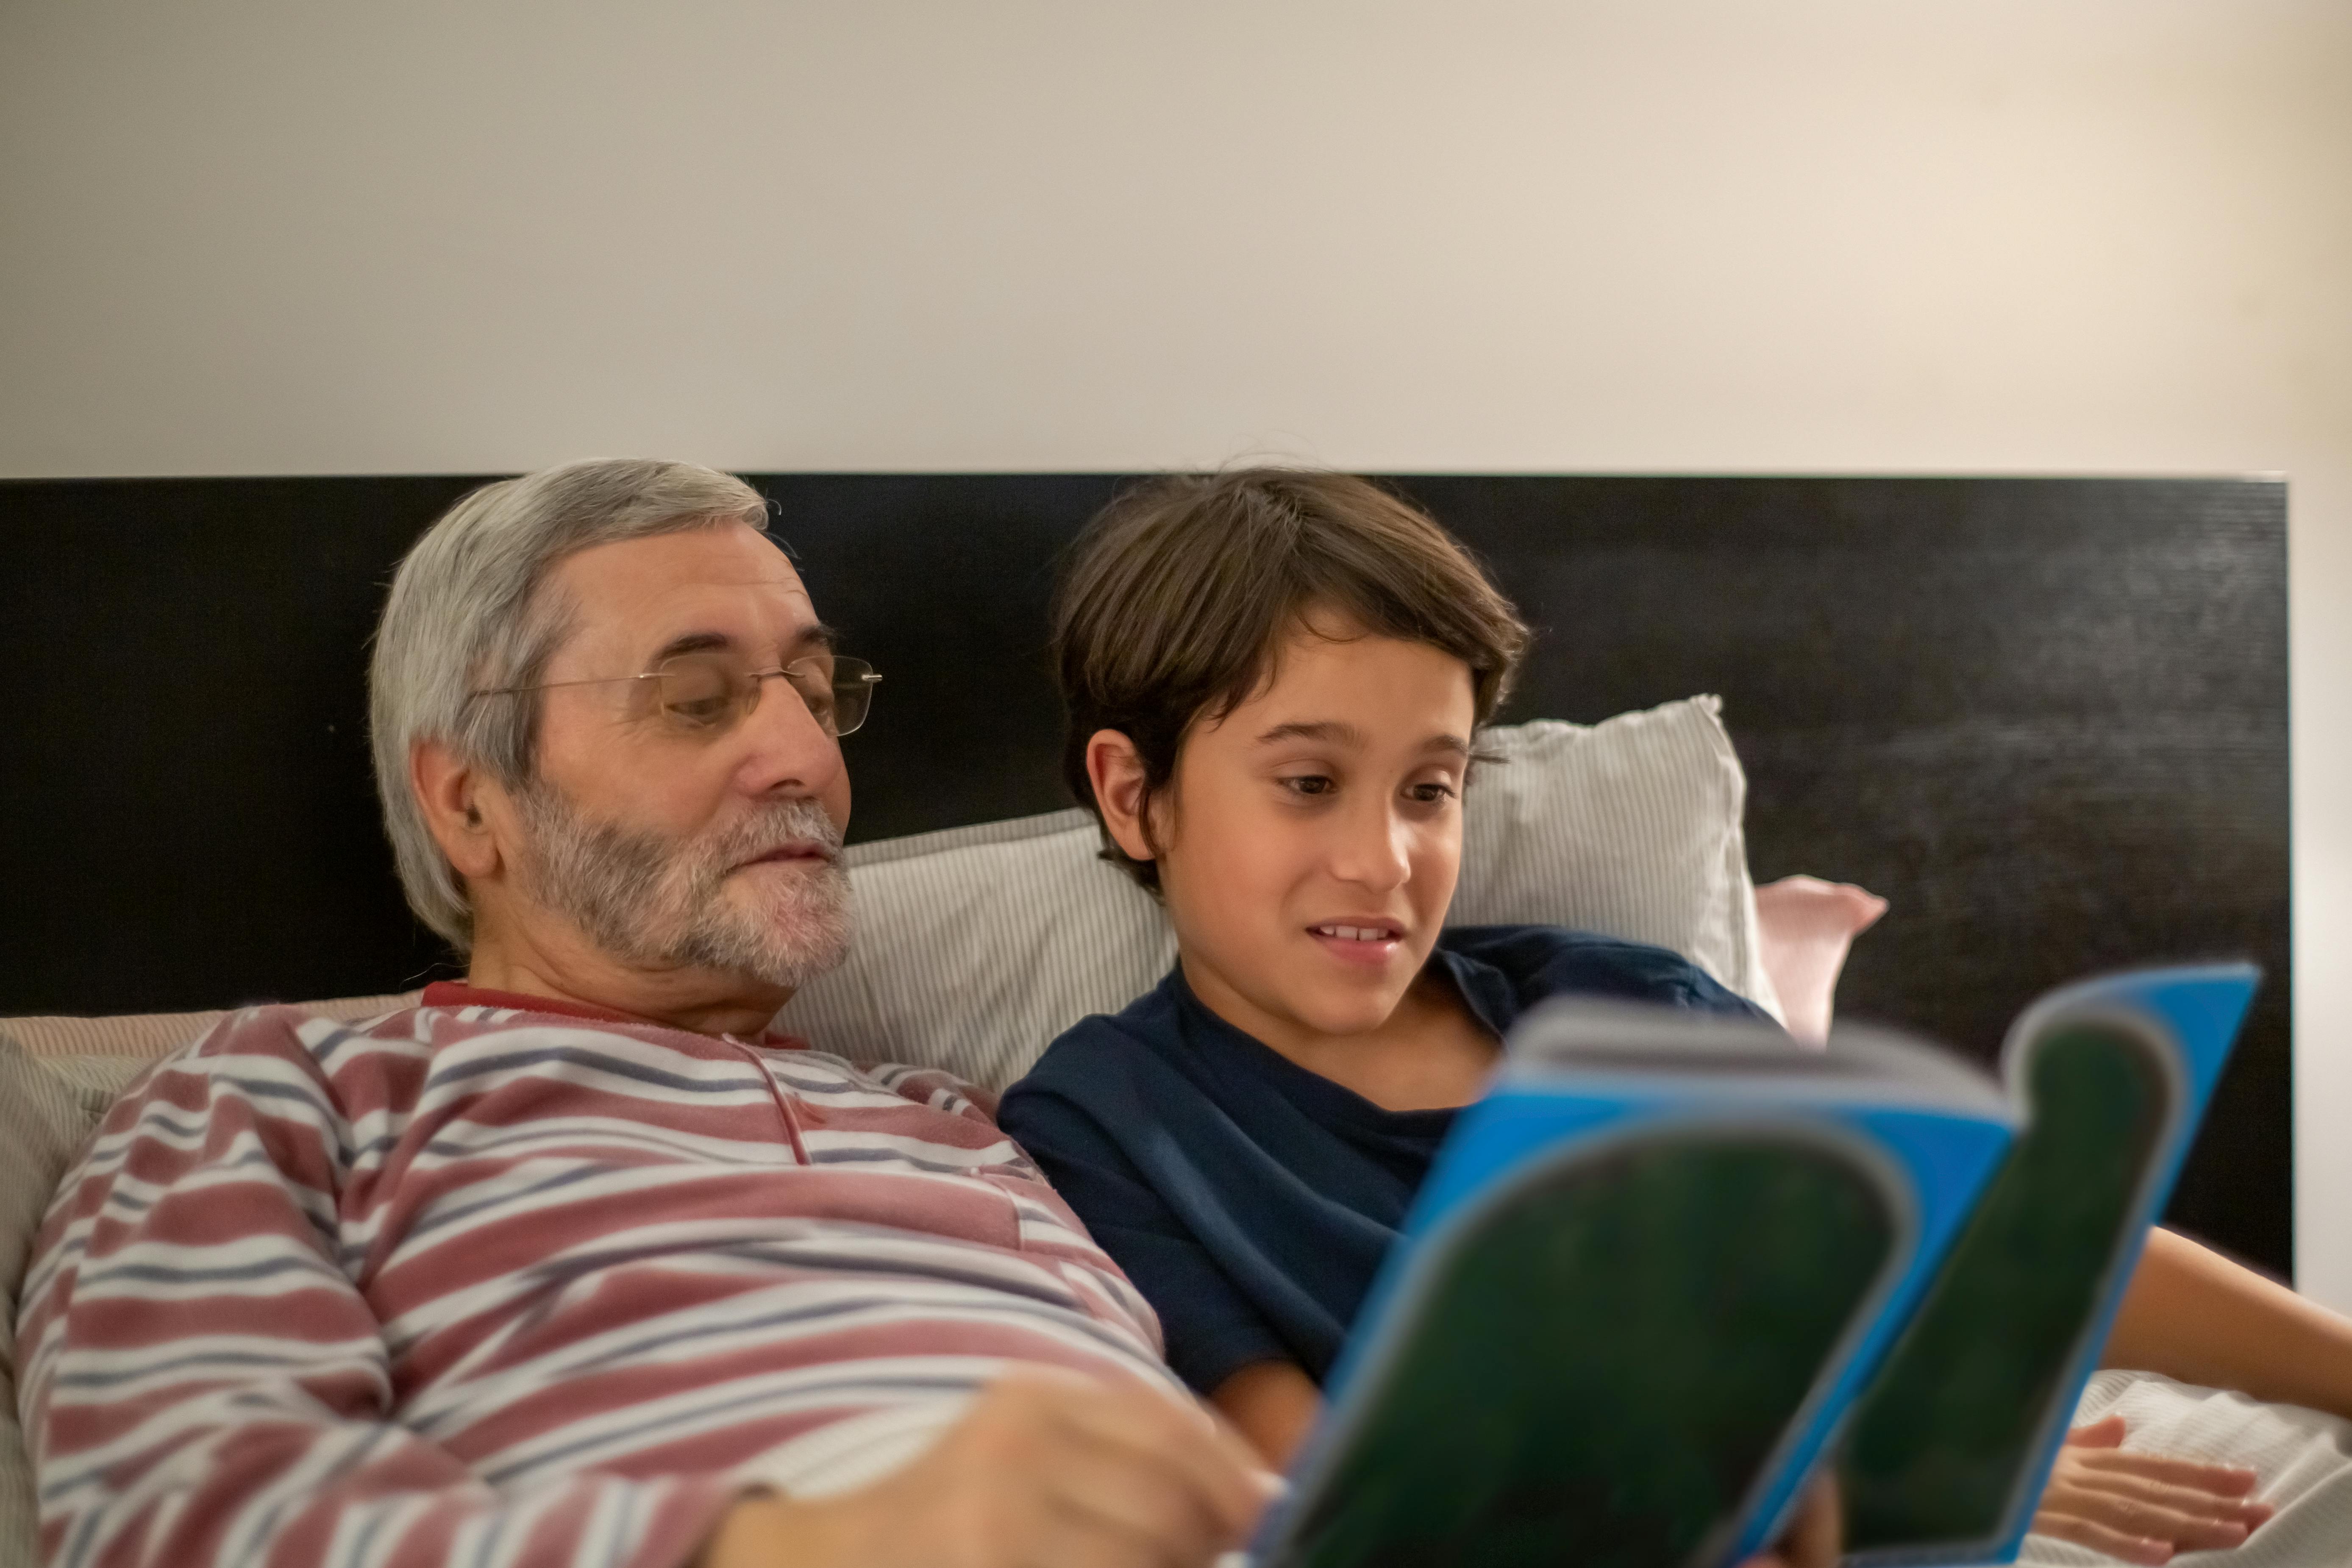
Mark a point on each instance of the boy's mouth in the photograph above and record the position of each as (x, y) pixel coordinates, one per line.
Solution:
(1376, 932)
(1369, 945)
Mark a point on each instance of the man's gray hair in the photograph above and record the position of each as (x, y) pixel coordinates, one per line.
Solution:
(470, 609)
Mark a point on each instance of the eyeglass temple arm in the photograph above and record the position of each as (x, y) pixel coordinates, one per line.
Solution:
(868, 679)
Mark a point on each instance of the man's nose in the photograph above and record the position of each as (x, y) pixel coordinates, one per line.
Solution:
(786, 748)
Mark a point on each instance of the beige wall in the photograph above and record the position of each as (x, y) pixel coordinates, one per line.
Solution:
(2078, 235)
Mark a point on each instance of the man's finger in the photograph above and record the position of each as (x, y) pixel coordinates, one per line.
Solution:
(1140, 1500)
(1217, 1464)
(1068, 1540)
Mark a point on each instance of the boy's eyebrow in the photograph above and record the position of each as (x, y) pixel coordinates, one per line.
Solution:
(1323, 729)
(1346, 734)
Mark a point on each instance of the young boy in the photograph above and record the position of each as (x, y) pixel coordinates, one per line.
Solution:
(1275, 681)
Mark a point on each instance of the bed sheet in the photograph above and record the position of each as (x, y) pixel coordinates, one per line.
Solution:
(2305, 1459)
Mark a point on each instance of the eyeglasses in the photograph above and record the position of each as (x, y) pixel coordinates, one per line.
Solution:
(705, 694)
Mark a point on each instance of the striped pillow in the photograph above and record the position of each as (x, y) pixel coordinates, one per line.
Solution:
(47, 1110)
(147, 1036)
(976, 946)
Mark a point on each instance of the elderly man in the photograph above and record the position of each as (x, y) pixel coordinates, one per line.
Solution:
(576, 1263)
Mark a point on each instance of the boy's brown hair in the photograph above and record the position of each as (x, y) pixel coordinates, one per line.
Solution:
(1176, 597)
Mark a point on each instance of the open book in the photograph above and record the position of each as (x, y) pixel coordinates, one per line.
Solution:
(1673, 1266)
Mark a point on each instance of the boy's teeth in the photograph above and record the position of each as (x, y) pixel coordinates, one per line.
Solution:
(1353, 933)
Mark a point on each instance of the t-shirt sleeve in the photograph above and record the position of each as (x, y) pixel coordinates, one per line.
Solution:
(1551, 960)
(1212, 1330)
(1680, 982)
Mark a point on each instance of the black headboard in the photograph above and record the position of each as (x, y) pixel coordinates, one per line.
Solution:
(2047, 717)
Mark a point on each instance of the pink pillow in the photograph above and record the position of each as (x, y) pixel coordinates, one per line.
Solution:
(1806, 925)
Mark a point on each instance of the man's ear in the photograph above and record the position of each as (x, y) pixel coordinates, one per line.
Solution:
(453, 795)
(1115, 770)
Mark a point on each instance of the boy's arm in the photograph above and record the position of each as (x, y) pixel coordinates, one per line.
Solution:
(1274, 1403)
(2192, 1314)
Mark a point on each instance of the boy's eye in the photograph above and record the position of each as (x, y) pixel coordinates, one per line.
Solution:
(1430, 794)
(1307, 783)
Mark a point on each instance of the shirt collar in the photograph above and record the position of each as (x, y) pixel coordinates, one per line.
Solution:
(458, 993)
(1321, 1099)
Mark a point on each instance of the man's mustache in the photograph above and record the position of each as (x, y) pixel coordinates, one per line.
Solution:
(773, 828)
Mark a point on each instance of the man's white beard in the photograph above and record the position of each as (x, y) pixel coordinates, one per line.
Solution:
(662, 902)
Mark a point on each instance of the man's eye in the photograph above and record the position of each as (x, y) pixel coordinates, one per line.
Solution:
(696, 712)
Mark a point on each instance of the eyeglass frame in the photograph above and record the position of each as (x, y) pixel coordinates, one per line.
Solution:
(867, 677)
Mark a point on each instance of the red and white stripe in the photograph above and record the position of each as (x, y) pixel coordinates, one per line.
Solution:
(469, 1283)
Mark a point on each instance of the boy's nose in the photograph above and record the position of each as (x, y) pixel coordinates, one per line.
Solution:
(1371, 851)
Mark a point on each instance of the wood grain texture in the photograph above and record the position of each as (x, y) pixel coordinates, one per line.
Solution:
(2046, 717)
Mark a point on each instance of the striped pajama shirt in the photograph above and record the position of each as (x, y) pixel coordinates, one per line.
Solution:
(493, 1282)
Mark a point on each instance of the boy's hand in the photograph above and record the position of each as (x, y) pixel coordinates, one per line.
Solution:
(2143, 1508)
(1814, 1535)
(1047, 1469)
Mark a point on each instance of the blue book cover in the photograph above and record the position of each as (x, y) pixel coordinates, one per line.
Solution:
(1671, 1262)
(1948, 1448)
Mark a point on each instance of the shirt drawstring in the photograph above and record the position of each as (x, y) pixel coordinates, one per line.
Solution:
(792, 1118)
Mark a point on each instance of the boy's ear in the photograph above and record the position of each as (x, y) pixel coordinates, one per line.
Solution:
(1115, 770)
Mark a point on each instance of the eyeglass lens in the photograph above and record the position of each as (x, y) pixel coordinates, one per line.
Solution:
(703, 692)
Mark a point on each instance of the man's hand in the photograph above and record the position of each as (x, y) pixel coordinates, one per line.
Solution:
(1047, 1469)
(2140, 1507)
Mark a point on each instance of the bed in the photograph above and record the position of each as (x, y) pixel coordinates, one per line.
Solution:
(2046, 719)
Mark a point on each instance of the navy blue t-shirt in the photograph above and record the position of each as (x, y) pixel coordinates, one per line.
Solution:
(1249, 1199)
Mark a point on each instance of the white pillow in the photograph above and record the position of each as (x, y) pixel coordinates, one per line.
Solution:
(976, 945)
(1630, 827)
(2304, 1459)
